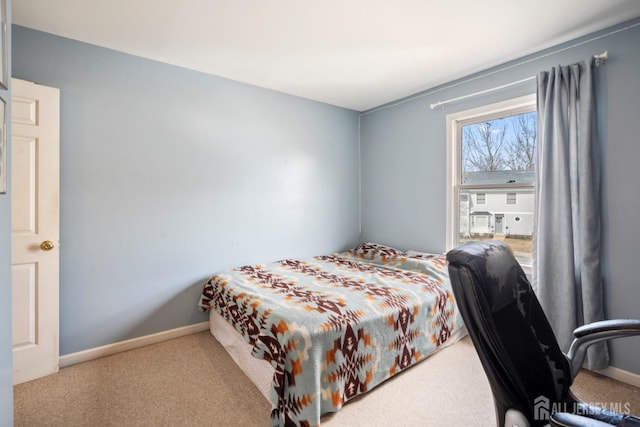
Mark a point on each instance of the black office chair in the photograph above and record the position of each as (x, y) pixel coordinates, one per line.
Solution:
(529, 375)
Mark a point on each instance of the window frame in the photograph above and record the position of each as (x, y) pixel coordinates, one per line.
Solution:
(454, 123)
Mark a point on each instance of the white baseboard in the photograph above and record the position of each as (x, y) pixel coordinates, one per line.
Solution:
(109, 349)
(621, 375)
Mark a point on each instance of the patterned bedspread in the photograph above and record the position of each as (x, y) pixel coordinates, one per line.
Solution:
(335, 326)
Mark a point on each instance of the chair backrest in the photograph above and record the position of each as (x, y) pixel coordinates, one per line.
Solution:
(526, 369)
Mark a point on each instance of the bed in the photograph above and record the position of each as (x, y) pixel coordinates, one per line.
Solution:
(314, 333)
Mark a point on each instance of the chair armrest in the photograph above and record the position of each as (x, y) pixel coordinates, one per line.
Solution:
(626, 326)
(595, 332)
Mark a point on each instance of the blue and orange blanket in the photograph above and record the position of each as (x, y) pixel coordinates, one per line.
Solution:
(335, 326)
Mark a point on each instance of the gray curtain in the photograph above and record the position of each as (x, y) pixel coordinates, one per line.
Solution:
(566, 268)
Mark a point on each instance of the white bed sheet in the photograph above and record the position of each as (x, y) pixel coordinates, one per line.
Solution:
(260, 372)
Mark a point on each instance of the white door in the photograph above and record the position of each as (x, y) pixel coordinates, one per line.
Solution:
(35, 189)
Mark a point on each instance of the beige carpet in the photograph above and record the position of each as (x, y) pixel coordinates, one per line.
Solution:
(192, 381)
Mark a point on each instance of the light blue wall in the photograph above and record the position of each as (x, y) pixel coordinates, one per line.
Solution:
(403, 151)
(168, 175)
(6, 367)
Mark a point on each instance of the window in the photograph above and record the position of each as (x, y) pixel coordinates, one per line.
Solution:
(491, 175)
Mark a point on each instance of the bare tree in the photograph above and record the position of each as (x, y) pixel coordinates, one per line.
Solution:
(501, 144)
(483, 147)
(521, 150)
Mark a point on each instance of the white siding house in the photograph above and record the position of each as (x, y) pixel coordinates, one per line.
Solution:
(489, 211)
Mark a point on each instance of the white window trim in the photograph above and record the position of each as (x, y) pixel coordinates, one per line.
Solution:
(454, 124)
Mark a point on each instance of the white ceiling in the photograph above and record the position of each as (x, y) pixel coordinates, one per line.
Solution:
(357, 54)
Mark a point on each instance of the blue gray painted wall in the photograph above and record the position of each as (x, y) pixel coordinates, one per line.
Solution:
(403, 162)
(168, 175)
(6, 367)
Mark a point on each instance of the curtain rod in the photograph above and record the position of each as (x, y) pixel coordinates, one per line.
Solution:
(599, 59)
(482, 92)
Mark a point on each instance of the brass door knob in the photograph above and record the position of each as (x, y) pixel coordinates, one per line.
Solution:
(47, 245)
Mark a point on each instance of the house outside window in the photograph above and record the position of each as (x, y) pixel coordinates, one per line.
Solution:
(491, 175)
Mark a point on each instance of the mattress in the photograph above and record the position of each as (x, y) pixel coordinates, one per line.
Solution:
(259, 371)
